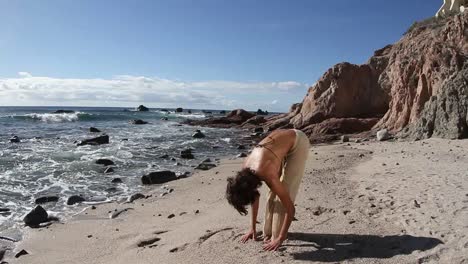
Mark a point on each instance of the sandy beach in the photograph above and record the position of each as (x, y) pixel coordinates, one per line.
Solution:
(370, 202)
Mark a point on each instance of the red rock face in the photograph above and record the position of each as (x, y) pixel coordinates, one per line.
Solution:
(394, 86)
(418, 66)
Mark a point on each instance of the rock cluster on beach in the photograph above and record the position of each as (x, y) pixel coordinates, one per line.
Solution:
(416, 87)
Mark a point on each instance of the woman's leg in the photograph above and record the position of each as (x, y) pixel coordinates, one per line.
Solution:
(291, 178)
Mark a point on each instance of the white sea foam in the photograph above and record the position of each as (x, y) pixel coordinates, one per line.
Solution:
(55, 118)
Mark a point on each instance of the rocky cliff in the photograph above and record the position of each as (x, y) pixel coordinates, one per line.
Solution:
(417, 86)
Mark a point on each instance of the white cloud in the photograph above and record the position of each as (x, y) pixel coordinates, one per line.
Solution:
(274, 102)
(24, 74)
(126, 90)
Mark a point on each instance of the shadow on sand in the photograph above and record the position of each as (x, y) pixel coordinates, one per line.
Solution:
(332, 248)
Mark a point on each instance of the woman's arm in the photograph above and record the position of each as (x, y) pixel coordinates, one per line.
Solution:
(278, 188)
(253, 222)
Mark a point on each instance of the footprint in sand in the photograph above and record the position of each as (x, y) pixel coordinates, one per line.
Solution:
(209, 234)
(148, 242)
(179, 249)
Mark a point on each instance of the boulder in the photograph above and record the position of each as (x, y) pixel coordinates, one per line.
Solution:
(234, 118)
(179, 110)
(198, 134)
(258, 130)
(105, 162)
(95, 141)
(142, 108)
(94, 130)
(116, 180)
(205, 166)
(383, 135)
(134, 197)
(158, 177)
(254, 121)
(186, 154)
(109, 170)
(37, 216)
(137, 122)
(46, 199)
(189, 111)
(63, 112)
(74, 199)
(260, 112)
(344, 138)
(15, 139)
(222, 112)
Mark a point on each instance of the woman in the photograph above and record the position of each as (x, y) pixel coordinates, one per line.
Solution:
(279, 161)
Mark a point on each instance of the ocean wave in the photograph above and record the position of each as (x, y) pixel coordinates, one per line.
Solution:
(68, 117)
(57, 118)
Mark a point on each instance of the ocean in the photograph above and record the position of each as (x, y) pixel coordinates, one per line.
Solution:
(47, 160)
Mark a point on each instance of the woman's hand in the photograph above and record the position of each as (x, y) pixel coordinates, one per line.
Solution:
(272, 245)
(250, 235)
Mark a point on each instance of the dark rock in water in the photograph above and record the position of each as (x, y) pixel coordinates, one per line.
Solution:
(124, 139)
(206, 160)
(205, 166)
(198, 134)
(258, 130)
(164, 110)
(46, 199)
(241, 147)
(173, 159)
(189, 111)
(142, 108)
(186, 154)
(111, 189)
(179, 110)
(158, 177)
(164, 118)
(95, 141)
(63, 112)
(222, 112)
(116, 180)
(105, 162)
(37, 216)
(15, 139)
(134, 197)
(94, 130)
(165, 156)
(5, 212)
(242, 155)
(109, 170)
(138, 122)
(260, 112)
(75, 199)
(21, 253)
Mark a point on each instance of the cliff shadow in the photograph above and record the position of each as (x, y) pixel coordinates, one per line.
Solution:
(337, 247)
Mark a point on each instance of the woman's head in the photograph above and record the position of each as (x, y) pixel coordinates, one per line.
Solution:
(242, 189)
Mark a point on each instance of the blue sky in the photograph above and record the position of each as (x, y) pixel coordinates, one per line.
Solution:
(202, 54)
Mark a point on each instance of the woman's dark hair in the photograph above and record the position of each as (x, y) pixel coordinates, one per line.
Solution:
(243, 189)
